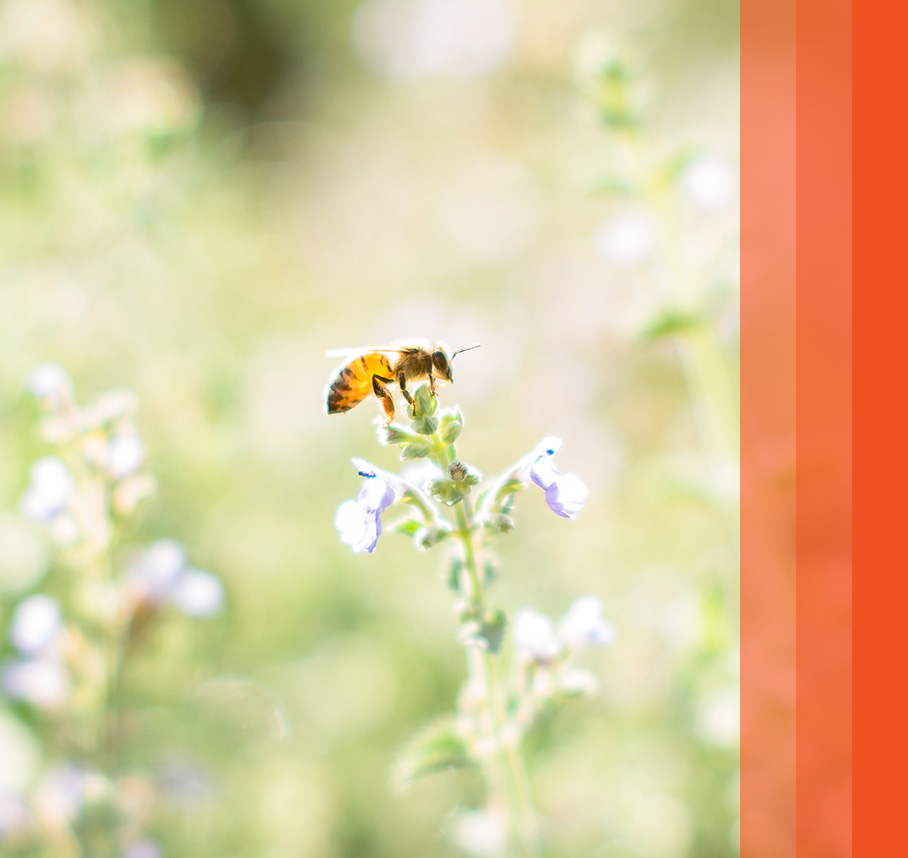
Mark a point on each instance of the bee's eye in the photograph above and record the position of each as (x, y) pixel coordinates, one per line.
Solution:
(440, 360)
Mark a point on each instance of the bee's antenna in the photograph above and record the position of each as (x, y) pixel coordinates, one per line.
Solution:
(468, 349)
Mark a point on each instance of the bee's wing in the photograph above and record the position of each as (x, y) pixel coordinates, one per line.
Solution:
(355, 352)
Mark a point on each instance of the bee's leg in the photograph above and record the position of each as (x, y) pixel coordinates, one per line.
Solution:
(431, 376)
(402, 381)
(384, 396)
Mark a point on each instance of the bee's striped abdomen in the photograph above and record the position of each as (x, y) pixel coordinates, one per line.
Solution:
(353, 383)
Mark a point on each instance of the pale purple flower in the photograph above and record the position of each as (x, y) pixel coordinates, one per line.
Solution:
(163, 576)
(359, 520)
(13, 813)
(50, 487)
(143, 849)
(564, 493)
(584, 625)
(534, 636)
(158, 569)
(199, 594)
(41, 682)
(35, 625)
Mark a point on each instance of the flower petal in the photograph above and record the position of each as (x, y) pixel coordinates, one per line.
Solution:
(359, 528)
(566, 495)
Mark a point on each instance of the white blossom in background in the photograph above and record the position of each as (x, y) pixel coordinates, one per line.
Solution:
(584, 625)
(199, 594)
(51, 485)
(42, 682)
(48, 381)
(627, 239)
(36, 624)
(143, 849)
(480, 833)
(709, 183)
(162, 575)
(421, 38)
(534, 636)
(125, 454)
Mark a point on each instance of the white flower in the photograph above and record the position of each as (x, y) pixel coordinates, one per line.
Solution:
(163, 576)
(35, 624)
(158, 569)
(49, 490)
(48, 381)
(534, 635)
(143, 849)
(481, 833)
(125, 455)
(564, 493)
(626, 239)
(359, 521)
(199, 594)
(41, 682)
(584, 625)
(709, 183)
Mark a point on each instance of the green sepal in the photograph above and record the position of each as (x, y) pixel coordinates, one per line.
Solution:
(424, 403)
(487, 632)
(493, 628)
(428, 536)
(425, 425)
(498, 522)
(392, 434)
(433, 749)
(452, 492)
(415, 450)
(454, 574)
(451, 426)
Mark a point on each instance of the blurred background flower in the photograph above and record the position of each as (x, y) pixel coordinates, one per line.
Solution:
(198, 201)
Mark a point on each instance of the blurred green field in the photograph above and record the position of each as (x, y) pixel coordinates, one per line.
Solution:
(198, 200)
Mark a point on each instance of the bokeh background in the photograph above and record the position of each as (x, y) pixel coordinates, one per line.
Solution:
(198, 200)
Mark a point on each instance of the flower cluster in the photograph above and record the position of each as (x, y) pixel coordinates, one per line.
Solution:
(538, 639)
(447, 480)
(452, 504)
(68, 648)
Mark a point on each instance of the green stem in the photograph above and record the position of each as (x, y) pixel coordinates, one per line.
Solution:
(504, 771)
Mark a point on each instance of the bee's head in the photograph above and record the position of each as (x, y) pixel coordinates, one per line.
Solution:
(441, 364)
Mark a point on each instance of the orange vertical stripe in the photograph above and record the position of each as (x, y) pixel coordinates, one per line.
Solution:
(767, 428)
(880, 473)
(824, 428)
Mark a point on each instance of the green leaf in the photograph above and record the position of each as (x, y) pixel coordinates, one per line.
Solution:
(671, 322)
(415, 450)
(430, 535)
(451, 427)
(492, 630)
(433, 749)
(393, 435)
(407, 526)
(454, 573)
(425, 425)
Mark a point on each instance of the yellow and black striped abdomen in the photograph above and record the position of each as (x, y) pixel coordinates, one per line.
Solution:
(353, 383)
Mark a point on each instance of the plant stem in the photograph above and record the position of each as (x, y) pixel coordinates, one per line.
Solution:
(503, 768)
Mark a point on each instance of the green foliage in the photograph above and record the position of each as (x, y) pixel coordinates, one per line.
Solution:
(433, 749)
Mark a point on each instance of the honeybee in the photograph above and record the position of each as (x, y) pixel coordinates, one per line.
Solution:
(370, 371)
